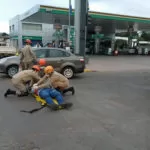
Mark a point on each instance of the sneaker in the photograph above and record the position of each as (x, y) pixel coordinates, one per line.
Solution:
(23, 94)
(53, 106)
(66, 105)
(7, 92)
(73, 91)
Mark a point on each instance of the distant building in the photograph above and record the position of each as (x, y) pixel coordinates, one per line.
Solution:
(4, 39)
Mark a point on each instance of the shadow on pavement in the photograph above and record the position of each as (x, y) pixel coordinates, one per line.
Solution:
(4, 76)
(81, 76)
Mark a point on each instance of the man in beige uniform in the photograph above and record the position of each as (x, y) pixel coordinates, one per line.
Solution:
(56, 80)
(27, 56)
(21, 79)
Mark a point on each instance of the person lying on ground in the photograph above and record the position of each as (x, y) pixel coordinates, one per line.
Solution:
(48, 94)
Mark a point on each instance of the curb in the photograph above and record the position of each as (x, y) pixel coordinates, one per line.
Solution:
(89, 70)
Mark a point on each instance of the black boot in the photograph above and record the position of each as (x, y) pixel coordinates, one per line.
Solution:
(53, 107)
(10, 92)
(23, 94)
(71, 89)
(66, 105)
(58, 89)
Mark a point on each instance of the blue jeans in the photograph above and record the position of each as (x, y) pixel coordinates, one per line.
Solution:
(48, 93)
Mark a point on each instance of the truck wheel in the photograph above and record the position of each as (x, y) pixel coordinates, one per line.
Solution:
(12, 70)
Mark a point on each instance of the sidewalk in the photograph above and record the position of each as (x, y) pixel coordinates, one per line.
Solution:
(117, 63)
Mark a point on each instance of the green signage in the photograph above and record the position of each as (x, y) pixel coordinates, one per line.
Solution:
(97, 36)
(32, 37)
(14, 37)
(72, 36)
(97, 15)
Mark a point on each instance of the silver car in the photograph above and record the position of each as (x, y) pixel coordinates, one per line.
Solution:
(63, 61)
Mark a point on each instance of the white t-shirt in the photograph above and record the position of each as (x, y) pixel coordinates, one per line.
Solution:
(68, 49)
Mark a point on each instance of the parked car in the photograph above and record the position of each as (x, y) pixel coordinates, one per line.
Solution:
(63, 61)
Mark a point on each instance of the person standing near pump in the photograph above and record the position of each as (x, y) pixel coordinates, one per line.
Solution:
(37, 45)
(27, 57)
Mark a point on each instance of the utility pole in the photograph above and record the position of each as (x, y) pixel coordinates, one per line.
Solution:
(70, 11)
(80, 26)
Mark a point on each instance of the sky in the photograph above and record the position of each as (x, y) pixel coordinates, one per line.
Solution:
(11, 8)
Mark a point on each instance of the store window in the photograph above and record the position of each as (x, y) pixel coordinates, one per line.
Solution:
(10, 28)
(41, 53)
(13, 27)
(35, 27)
(58, 53)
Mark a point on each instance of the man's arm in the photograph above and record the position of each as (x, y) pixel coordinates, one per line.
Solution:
(33, 55)
(31, 83)
(21, 56)
(46, 84)
(41, 80)
(35, 77)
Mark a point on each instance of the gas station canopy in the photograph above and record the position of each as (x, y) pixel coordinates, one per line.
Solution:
(108, 22)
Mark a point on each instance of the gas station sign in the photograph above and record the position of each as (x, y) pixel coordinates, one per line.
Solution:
(72, 37)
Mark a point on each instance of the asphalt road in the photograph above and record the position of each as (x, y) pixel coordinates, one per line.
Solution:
(111, 112)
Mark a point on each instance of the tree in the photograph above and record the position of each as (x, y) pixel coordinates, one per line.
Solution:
(4, 34)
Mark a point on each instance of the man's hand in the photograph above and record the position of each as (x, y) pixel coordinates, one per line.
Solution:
(35, 84)
(35, 87)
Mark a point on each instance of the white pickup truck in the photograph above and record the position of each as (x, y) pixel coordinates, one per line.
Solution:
(6, 51)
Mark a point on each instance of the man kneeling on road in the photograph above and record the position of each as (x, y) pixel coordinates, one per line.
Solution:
(57, 80)
(21, 79)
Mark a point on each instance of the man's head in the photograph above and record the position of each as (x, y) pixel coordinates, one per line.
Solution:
(49, 45)
(28, 42)
(36, 68)
(42, 62)
(49, 70)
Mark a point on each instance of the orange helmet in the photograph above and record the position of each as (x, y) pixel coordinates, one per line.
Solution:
(42, 62)
(36, 67)
(28, 41)
(48, 69)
